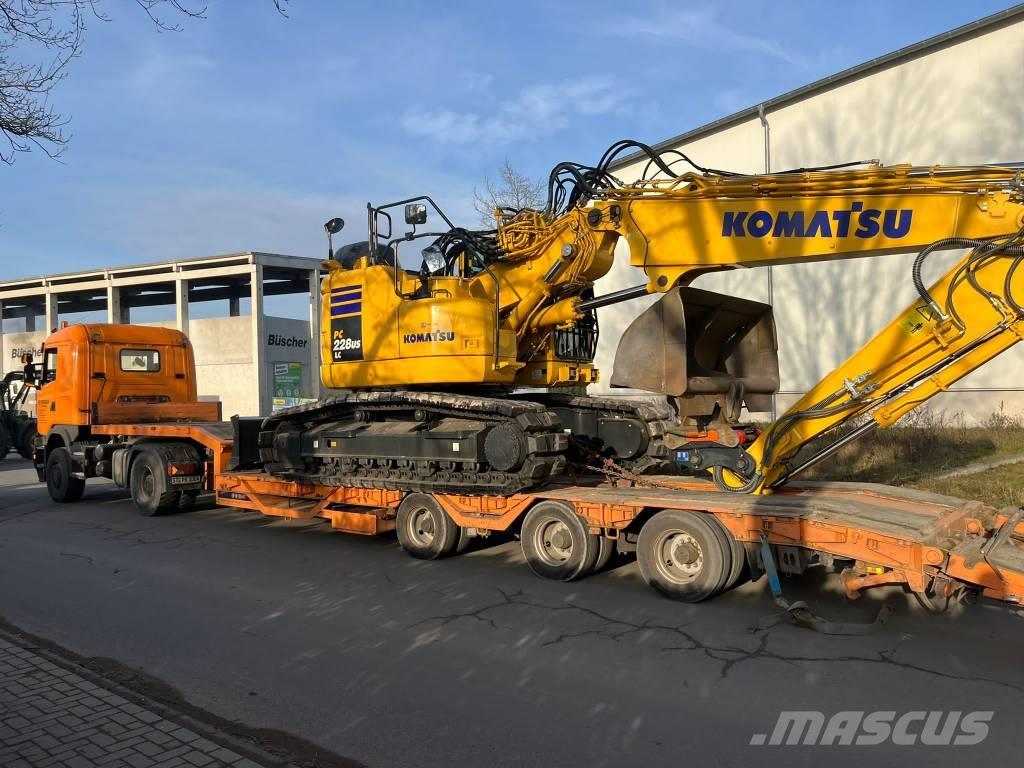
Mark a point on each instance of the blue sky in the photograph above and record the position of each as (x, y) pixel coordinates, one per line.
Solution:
(246, 131)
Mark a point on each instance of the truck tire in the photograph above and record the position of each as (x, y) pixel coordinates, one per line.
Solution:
(556, 542)
(5, 442)
(25, 439)
(187, 502)
(60, 484)
(149, 486)
(738, 554)
(681, 555)
(425, 530)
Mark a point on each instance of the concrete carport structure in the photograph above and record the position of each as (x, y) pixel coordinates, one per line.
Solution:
(235, 355)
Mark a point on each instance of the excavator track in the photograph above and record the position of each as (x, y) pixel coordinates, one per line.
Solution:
(641, 424)
(416, 441)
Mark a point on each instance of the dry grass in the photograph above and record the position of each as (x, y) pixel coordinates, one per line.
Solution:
(998, 487)
(925, 444)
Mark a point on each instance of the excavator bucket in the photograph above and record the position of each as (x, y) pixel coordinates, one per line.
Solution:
(710, 353)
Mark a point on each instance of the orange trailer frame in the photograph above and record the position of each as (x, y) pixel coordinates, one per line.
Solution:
(923, 541)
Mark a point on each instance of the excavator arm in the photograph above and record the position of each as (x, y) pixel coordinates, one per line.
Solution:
(710, 353)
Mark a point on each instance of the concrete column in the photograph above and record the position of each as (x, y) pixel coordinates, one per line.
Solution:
(30, 318)
(50, 298)
(234, 305)
(114, 313)
(261, 379)
(181, 305)
(314, 332)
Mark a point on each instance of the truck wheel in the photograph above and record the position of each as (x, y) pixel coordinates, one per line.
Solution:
(424, 529)
(5, 441)
(149, 486)
(738, 555)
(187, 502)
(60, 484)
(682, 556)
(556, 542)
(26, 438)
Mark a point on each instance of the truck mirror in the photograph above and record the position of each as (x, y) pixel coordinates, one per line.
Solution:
(415, 213)
(334, 226)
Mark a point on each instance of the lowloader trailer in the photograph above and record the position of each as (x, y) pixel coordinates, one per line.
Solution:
(119, 402)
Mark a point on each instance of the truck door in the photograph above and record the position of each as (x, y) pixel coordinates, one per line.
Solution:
(53, 400)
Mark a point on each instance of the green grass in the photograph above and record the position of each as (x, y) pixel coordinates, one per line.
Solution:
(923, 445)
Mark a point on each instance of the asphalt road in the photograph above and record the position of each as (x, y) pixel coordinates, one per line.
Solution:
(349, 643)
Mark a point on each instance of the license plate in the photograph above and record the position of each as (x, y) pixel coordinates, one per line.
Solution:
(186, 479)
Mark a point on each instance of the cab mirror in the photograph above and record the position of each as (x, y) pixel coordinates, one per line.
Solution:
(415, 213)
(334, 226)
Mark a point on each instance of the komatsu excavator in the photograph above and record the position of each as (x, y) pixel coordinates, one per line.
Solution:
(469, 374)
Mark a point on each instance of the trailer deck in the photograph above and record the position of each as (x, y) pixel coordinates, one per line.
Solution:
(886, 535)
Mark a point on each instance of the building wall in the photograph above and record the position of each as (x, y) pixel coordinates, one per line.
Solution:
(957, 105)
(225, 369)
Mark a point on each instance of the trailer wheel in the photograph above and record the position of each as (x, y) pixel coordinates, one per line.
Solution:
(149, 486)
(424, 529)
(682, 556)
(605, 550)
(556, 542)
(60, 484)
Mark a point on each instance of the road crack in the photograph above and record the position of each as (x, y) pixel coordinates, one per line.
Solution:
(729, 656)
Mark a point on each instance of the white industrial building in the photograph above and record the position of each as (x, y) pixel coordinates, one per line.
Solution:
(955, 99)
(247, 361)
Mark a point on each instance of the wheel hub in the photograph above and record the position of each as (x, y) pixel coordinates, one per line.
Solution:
(680, 556)
(423, 526)
(556, 541)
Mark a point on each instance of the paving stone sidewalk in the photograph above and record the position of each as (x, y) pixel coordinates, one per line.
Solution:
(50, 716)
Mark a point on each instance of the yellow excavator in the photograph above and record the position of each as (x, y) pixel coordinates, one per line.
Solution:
(467, 370)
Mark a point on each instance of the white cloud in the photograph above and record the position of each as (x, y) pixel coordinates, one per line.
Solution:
(536, 111)
(700, 28)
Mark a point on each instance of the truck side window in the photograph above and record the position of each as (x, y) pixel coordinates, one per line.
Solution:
(147, 360)
(49, 366)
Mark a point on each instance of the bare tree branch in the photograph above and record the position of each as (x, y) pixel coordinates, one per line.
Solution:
(513, 190)
(38, 40)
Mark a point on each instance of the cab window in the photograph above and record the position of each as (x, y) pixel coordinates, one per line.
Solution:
(146, 360)
(49, 366)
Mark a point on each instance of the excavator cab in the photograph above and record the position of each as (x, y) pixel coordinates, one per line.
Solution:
(388, 320)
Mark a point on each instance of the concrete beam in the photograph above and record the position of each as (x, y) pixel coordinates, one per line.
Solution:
(314, 331)
(51, 314)
(181, 305)
(261, 380)
(114, 311)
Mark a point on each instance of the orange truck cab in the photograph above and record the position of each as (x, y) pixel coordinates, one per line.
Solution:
(95, 377)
